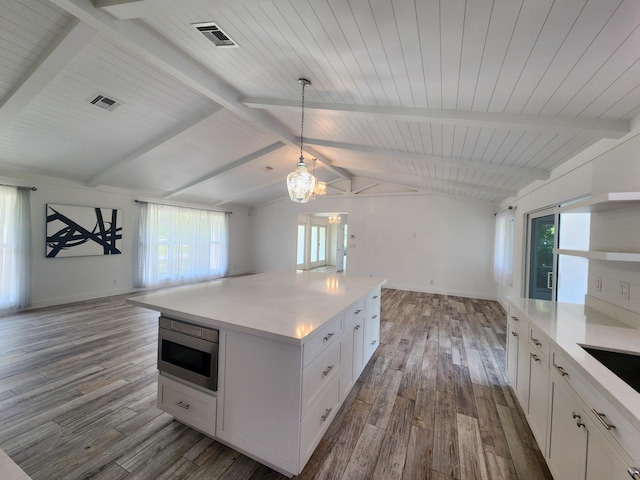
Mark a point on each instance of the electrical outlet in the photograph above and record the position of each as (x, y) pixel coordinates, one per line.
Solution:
(624, 290)
(598, 284)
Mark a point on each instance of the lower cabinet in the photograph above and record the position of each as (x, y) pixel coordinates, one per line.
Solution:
(577, 448)
(352, 354)
(276, 399)
(581, 434)
(568, 437)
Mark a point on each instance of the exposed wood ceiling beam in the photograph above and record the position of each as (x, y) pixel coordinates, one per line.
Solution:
(251, 191)
(520, 172)
(174, 133)
(136, 38)
(229, 166)
(370, 174)
(126, 9)
(539, 123)
(71, 42)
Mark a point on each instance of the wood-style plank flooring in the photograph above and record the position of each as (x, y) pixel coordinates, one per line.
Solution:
(78, 400)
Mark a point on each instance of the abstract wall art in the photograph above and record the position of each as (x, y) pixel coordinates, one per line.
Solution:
(80, 231)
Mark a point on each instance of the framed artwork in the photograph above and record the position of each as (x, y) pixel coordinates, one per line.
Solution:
(82, 231)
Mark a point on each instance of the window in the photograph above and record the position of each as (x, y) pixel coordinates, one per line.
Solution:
(178, 245)
(15, 248)
(503, 249)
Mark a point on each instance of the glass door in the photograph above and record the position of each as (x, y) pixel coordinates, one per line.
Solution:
(318, 246)
(301, 251)
(542, 267)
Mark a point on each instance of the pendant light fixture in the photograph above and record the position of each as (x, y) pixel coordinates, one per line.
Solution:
(300, 182)
(321, 187)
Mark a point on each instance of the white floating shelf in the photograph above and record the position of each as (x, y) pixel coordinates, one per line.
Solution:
(615, 256)
(573, 253)
(603, 203)
(599, 255)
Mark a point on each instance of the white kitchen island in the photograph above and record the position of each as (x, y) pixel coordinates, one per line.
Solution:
(292, 344)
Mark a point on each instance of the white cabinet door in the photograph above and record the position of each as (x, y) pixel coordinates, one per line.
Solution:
(371, 334)
(567, 451)
(352, 356)
(538, 396)
(259, 398)
(602, 460)
(513, 344)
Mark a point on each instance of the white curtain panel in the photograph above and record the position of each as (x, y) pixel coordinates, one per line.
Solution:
(15, 248)
(180, 245)
(503, 249)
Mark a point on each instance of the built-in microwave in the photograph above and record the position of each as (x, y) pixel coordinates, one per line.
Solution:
(189, 352)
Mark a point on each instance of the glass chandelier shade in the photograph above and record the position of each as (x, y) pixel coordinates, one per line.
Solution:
(321, 188)
(301, 183)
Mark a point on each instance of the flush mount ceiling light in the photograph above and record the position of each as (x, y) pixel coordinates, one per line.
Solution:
(300, 182)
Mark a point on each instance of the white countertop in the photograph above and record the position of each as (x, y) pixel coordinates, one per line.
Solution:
(285, 305)
(570, 326)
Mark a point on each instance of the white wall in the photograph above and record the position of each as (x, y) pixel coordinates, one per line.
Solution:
(410, 240)
(63, 280)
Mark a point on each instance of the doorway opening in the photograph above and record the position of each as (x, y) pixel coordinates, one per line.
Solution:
(321, 245)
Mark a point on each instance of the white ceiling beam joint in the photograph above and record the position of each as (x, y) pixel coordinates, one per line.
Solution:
(137, 38)
(64, 49)
(128, 9)
(173, 134)
(519, 172)
(539, 123)
(228, 167)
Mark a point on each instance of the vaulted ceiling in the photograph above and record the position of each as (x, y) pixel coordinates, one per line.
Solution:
(474, 98)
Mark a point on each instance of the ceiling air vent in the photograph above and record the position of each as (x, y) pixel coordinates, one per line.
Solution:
(105, 102)
(213, 32)
(267, 168)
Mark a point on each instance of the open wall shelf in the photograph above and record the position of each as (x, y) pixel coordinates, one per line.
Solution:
(603, 203)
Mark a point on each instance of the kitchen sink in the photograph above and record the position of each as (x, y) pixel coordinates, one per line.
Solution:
(624, 365)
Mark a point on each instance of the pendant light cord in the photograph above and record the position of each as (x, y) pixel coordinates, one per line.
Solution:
(304, 84)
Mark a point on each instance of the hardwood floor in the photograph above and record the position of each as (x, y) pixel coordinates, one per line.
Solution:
(78, 393)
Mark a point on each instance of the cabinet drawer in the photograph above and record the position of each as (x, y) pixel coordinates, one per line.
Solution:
(614, 427)
(187, 404)
(539, 341)
(318, 374)
(325, 336)
(372, 300)
(354, 311)
(320, 416)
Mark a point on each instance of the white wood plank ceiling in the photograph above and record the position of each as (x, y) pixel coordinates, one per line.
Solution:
(474, 98)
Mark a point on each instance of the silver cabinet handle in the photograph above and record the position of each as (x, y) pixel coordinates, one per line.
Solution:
(374, 297)
(327, 412)
(357, 312)
(602, 417)
(515, 319)
(374, 342)
(357, 327)
(562, 371)
(549, 281)
(578, 419)
(328, 336)
(326, 372)
(536, 342)
(535, 357)
(514, 334)
(634, 473)
(374, 316)
(181, 404)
